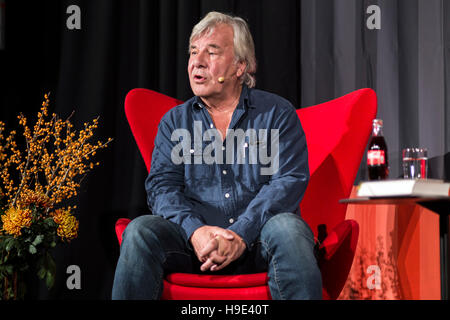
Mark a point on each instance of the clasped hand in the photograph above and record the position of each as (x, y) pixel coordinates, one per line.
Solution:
(216, 247)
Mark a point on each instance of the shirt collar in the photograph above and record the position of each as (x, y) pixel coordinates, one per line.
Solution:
(244, 100)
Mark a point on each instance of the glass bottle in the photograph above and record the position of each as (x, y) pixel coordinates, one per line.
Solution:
(377, 154)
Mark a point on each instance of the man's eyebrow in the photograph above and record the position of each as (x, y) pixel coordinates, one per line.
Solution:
(215, 46)
(212, 45)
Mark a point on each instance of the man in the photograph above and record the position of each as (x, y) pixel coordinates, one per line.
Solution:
(229, 169)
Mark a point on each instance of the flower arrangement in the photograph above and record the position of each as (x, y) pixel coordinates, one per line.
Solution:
(38, 174)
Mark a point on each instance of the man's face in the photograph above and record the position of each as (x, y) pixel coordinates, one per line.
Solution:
(212, 57)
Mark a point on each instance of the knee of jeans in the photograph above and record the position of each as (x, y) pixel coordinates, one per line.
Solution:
(286, 227)
(142, 227)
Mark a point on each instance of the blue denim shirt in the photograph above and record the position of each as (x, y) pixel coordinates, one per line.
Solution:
(238, 184)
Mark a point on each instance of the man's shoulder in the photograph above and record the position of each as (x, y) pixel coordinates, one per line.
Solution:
(262, 99)
(178, 112)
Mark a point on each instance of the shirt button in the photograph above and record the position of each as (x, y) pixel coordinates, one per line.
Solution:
(224, 171)
(223, 148)
(231, 220)
(227, 195)
(191, 151)
(211, 125)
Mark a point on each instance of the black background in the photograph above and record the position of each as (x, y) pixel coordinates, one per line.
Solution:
(121, 45)
(143, 43)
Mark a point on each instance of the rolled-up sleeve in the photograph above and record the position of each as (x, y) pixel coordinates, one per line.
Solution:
(165, 185)
(286, 186)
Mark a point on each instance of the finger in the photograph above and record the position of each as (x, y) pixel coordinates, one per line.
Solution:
(207, 265)
(217, 258)
(210, 246)
(212, 261)
(231, 256)
(224, 233)
(218, 267)
(214, 267)
(221, 246)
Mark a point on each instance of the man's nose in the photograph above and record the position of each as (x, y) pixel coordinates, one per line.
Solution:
(199, 60)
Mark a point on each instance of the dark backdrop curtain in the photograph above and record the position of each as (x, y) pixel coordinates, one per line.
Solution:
(405, 62)
(308, 52)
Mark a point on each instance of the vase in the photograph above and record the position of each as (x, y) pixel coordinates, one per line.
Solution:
(21, 285)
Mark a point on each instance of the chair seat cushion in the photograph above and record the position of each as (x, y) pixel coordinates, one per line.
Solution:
(218, 281)
(184, 286)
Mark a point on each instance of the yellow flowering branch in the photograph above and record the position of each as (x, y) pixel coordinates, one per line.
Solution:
(56, 161)
(33, 183)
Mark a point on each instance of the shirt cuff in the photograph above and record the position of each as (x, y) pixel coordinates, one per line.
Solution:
(246, 230)
(190, 225)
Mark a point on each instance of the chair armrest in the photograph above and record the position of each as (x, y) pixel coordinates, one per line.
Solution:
(336, 255)
(121, 224)
(336, 237)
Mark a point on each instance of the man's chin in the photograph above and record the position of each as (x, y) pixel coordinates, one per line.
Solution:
(201, 92)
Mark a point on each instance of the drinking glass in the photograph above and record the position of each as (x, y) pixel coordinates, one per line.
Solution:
(415, 163)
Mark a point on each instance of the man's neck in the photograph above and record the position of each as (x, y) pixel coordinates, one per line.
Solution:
(225, 103)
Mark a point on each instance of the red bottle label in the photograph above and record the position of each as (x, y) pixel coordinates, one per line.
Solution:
(375, 157)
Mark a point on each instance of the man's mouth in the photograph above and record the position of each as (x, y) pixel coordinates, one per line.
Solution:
(199, 78)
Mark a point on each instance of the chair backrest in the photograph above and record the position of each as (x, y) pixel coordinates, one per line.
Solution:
(336, 132)
(144, 109)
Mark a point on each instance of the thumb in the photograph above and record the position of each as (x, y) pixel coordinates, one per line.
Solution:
(228, 235)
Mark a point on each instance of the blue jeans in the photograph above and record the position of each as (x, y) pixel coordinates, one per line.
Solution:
(153, 247)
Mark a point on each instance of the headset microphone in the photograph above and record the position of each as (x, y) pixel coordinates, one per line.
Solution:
(221, 79)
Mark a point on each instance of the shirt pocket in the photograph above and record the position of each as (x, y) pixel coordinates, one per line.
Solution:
(201, 178)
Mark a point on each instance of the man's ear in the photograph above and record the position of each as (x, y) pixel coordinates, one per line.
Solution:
(241, 66)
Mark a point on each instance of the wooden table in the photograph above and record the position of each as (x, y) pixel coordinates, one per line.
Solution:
(439, 205)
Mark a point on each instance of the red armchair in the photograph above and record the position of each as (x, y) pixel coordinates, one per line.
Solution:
(336, 133)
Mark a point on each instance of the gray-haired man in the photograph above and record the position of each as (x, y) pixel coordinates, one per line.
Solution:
(214, 211)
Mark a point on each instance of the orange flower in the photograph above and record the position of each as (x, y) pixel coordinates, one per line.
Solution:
(68, 224)
(15, 219)
(38, 199)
